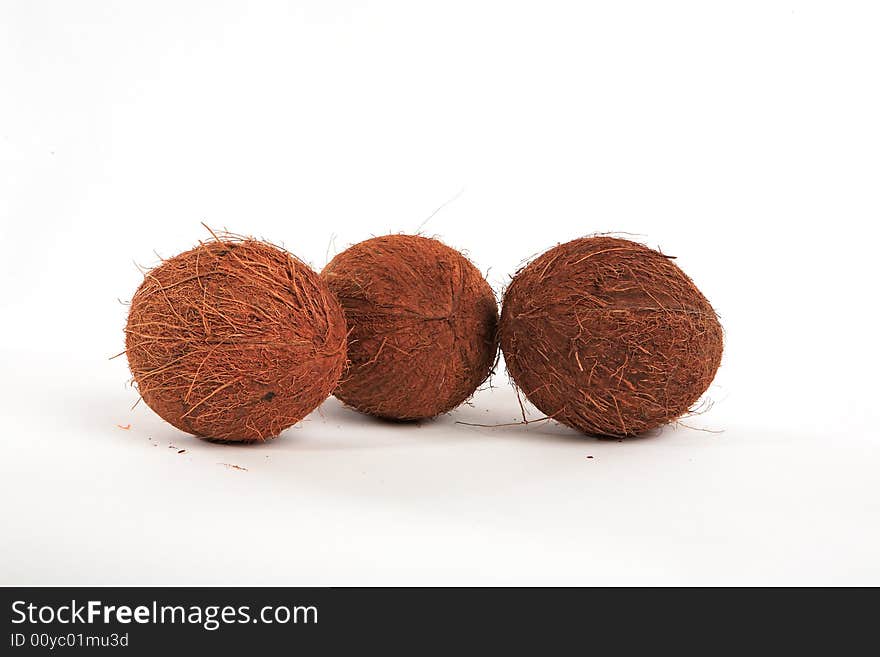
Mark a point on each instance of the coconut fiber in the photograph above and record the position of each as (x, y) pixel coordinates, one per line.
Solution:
(422, 326)
(608, 336)
(234, 340)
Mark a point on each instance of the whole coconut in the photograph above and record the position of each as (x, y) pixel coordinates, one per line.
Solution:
(422, 326)
(608, 336)
(234, 340)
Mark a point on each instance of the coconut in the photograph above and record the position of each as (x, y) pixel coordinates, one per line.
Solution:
(422, 326)
(608, 336)
(234, 340)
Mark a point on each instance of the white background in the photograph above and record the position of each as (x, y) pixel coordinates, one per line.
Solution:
(742, 137)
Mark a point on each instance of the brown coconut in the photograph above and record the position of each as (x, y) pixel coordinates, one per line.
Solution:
(608, 336)
(422, 326)
(234, 340)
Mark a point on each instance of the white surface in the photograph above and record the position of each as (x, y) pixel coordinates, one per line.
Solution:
(743, 139)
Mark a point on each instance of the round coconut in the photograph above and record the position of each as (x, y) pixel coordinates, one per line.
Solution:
(608, 336)
(234, 340)
(422, 326)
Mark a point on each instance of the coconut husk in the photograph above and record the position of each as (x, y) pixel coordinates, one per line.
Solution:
(422, 326)
(234, 340)
(609, 337)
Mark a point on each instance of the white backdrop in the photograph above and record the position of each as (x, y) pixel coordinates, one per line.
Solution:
(742, 137)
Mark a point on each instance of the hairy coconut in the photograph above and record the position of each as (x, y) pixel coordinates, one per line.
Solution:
(608, 336)
(422, 326)
(234, 340)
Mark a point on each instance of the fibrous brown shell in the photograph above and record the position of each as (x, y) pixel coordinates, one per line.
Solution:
(235, 339)
(422, 326)
(608, 336)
